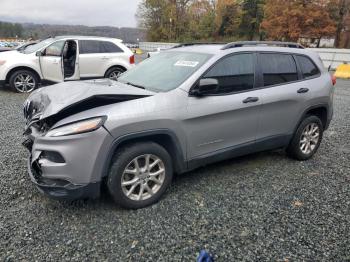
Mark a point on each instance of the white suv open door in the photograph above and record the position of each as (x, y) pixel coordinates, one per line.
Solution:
(51, 63)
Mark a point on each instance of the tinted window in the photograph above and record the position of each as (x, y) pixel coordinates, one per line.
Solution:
(308, 68)
(234, 73)
(278, 69)
(55, 49)
(89, 47)
(109, 47)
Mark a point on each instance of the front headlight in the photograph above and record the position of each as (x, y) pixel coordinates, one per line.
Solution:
(83, 126)
(2, 62)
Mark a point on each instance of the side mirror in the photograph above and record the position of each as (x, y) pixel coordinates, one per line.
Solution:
(206, 86)
(38, 53)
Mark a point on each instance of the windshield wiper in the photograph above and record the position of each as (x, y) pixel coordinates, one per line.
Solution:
(131, 84)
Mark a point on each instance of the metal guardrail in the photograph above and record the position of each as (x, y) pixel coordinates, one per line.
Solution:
(330, 56)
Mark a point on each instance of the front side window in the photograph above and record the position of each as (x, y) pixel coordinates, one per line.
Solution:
(234, 73)
(278, 69)
(307, 67)
(55, 49)
(165, 71)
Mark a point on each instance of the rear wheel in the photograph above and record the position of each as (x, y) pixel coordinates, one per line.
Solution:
(23, 81)
(114, 72)
(139, 175)
(306, 139)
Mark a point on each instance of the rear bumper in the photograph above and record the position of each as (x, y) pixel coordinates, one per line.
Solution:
(60, 189)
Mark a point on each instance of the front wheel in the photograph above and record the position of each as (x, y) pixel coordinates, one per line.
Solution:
(139, 175)
(306, 139)
(23, 81)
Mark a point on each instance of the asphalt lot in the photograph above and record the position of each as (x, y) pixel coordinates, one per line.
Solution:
(262, 207)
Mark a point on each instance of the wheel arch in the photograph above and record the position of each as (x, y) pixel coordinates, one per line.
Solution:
(320, 110)
(163, 137)
(10, 72)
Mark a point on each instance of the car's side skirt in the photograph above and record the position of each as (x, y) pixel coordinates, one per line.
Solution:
(268, 143)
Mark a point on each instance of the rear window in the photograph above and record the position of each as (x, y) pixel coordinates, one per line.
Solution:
(308, 68)
(95, 47)
(278, 69)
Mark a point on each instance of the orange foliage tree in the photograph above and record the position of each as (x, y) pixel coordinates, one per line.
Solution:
(288, 20)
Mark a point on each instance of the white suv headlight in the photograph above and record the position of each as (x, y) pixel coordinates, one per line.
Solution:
(2, 62)
(79, 127)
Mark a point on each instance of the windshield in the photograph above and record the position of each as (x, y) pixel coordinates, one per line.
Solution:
(38, 46)
(164, 71)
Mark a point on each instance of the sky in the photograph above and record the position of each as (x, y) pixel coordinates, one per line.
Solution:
(119, 13)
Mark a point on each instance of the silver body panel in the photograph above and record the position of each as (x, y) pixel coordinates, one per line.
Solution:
(202, 126)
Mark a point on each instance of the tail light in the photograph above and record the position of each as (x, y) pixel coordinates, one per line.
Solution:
(334, 80)
(132, 59)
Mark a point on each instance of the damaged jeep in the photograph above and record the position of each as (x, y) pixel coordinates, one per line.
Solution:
(184, 108)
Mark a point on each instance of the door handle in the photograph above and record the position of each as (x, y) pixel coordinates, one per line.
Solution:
(105, 58)
(55, 61)
(250, 100)
(303, 90)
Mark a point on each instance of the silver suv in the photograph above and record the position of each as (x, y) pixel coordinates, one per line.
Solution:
(184, 108)
(64, 58)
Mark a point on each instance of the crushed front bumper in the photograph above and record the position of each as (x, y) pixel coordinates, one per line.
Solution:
(68, 168)
(60, 189)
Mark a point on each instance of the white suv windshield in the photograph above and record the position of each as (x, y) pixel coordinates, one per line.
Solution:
(164, 71)
(38, 46)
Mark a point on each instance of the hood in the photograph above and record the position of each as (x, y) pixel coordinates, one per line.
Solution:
(68, 98)
(11, 54)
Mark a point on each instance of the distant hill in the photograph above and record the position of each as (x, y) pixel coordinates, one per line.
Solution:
(40, 31)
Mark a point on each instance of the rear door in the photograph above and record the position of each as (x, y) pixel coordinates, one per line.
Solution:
(284, 98)
(92, 62)
(51, 62)
(227, 118)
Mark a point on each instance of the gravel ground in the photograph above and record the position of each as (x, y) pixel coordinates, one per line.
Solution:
(263, 207)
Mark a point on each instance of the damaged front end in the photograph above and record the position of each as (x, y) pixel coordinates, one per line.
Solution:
(52, 164)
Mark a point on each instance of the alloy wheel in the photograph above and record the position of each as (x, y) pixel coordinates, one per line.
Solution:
(24, 83)
(114, 75)
(143, 177)
(309, 138)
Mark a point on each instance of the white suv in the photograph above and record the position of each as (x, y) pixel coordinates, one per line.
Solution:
(64, 58)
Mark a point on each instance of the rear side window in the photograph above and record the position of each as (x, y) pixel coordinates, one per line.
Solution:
(308, 68)
(234, 73)
(278, 69)
(109, 47)
(89, 47)
(95, 47)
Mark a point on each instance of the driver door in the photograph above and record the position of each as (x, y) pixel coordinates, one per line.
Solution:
(51, 62)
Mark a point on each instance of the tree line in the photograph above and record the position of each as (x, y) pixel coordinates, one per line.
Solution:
(230, 20)
(10, 29)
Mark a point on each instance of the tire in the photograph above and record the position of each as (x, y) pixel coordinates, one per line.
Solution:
(124, 169)
(23, 81)
(114, 72)
(310, 131)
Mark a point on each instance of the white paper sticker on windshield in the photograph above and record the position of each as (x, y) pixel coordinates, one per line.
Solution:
(186, 63)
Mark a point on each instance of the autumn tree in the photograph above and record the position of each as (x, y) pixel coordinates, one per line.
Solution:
(228, 13)
(201, 16)
(288, 20)
(251, 17)
(339, 12)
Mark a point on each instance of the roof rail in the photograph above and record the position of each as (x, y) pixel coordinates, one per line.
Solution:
(199, 43)
(263, 43)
